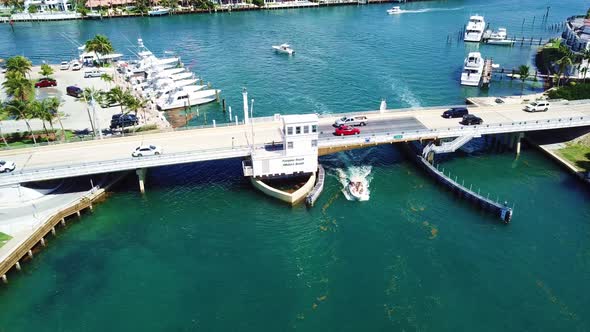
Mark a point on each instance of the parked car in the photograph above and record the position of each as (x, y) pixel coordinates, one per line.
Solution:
(3, 69)
(64, 65)
(470, 120)
(93, 73)
(45, 82)
(537, 106)
(7, 166)
(359, 120)
(74, 91)
(123, 120)
(76, 66)
(455, 112)
(344, 130)
(146, 150)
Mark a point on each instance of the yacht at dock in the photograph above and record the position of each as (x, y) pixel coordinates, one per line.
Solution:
(159, 11)
(499, 37)
(475, 29)
(472, 69)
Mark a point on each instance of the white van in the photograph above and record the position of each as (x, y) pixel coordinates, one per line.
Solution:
(537, 106)
(93, 73)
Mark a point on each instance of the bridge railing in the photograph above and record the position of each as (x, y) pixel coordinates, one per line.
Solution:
(115, 165)
(475, 131)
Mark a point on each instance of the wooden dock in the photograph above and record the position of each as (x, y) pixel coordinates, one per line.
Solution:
(486, 76)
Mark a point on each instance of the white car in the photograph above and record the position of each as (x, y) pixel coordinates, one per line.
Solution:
(64, 65)
(76, 66)
(146, 150)
(7, 166)
(537, 106)
(93, 73)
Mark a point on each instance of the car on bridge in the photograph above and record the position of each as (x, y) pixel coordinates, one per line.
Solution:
(7, 166)
(359, 120)
(471, 120)
(455, 112)
(344, 130)
(537, 106)
(45, 82)
(146, 150)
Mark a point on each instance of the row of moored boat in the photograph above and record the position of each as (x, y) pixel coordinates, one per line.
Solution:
(165, 81)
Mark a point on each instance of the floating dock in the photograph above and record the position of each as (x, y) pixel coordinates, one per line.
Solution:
(314, 194)
(486, 76)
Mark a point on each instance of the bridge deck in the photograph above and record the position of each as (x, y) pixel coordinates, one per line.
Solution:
(114, 154)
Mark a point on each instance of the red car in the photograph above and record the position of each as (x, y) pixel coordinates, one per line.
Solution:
(45, 82)
(346, 130)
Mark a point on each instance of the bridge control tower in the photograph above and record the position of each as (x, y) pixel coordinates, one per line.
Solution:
(295, 158)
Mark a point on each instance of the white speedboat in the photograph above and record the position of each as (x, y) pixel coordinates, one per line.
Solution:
(394, 10)
(472, 69)
(92, 15)
(182, 99)
(499, 37)
(159, 11)
(284, 48)
(182, 76)
(475, 29)
(356, 188)
(166, 92)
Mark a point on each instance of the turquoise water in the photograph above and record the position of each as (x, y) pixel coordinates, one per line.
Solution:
(202, 250)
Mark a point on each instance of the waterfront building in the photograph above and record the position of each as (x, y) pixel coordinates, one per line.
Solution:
(577, 34)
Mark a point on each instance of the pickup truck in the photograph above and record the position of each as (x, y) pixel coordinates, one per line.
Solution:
(359, 120)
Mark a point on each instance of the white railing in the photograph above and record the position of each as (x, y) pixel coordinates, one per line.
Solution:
(387, 136)
(73, 170)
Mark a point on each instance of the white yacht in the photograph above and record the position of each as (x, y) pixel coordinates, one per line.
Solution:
(182, 76)
(165, 93)
(472, 69)
(284, 48)
(159, 11)
(93, 15)
(499, 37)
(394, 10)
(181, 99)
(474, 29)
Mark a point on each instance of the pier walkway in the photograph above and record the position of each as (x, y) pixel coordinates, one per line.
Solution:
(234, 141)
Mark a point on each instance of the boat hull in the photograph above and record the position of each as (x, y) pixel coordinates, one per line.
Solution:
(159, 13)
(200, 98)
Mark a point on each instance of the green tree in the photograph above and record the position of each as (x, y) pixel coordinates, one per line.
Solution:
(19, 64)
(2, 110)
(21, 110)
(46, 70)
(33, 9)
(39, 109)
(584, 71)
(100, 45)
(562, 64)
(17, 86)
(53, 105)
(107, 78)
(90, 96)
(119, 96)
(524, 73)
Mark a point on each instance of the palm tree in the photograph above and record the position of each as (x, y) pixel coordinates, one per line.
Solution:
(584, 71)
(19, 64)
(46, 70)
(107, 78)
(100, 44)
(53, 105)
(1, 133)
(38, 110)
(118, 96)
(17, 86)
(22, 111)
(90, 95)
(523, 73)
(563, 63)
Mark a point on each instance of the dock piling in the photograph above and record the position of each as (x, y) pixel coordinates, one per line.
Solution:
(17, 266)
(30, 253)
(4, 279)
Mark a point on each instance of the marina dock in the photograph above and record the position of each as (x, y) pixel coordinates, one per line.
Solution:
(486, 76)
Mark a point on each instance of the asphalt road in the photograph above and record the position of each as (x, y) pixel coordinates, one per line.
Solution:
(379, 126)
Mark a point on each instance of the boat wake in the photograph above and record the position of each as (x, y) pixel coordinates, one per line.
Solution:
(360, 174)
(427, 10)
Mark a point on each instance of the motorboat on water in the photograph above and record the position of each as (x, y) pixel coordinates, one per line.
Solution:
(499, 37)
(356, 188)
(284, 48)
(394, 10)
(165, 93)
(182, 76)
(475, 29)
(472, 69)
(181, 99)
(92, 15)
(159, 11)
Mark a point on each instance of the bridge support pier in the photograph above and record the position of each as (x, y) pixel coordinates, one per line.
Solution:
(141, 174)
(519, 137)
(17, 265)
